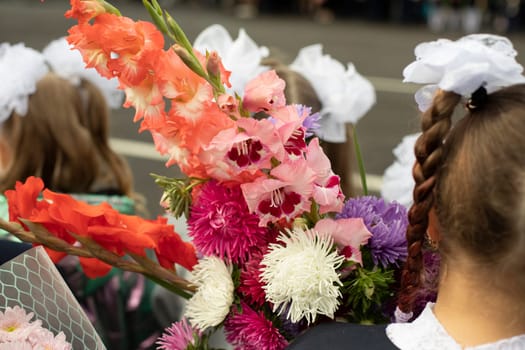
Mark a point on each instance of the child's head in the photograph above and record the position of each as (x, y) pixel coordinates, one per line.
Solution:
(49, 141)
(479, 196)
(61, 131)
(469, 195)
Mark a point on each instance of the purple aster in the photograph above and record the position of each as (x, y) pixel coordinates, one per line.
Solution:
(251, 330)
(178, 336)
(311, 122)
(289, 328)
(386, 221)
(221, 224)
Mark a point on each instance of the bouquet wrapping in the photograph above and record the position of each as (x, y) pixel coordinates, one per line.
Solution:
(32, 282)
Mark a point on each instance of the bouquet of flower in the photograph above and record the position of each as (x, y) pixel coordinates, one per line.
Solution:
(275, 247)
(33, 287)
(18, 331)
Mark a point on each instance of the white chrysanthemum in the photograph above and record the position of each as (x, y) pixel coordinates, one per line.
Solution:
(300, 276)
(214, 296)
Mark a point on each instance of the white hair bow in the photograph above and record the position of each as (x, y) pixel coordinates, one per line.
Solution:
(345, 95)
(241, 56)
(68, 64)
(463, 66)
(20, 68)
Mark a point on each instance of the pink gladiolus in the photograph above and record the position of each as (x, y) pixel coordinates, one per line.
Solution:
(229, 105)
(327, 192)
(237, 156)
(264, 93)
(285, 196)
(347, 233)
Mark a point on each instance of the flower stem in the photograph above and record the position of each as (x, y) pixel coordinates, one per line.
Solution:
(169, 286)
(360, 162)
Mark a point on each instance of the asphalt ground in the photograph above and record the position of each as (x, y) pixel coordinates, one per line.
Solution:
(379, 51)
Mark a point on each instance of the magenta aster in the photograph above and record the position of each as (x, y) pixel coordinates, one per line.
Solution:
(178, 336)
(251, 286)
(250, 330)
(221, 225)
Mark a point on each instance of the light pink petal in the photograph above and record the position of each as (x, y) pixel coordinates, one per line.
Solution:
(350, 232)
(255, 191)
(264, 93)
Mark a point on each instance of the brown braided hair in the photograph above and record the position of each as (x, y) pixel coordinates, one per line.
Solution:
(435, 125)
(473, 176)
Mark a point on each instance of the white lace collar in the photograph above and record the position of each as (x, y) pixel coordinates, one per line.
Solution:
(426, 333)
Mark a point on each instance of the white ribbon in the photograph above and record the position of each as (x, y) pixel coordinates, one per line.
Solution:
(68, 64)
(345, 95)
(242, 56)
(463, 66)
(20, 69)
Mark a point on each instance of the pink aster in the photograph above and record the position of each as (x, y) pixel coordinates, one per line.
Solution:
(178, 336)
(250, 330)
(221, 224)
(19, 345)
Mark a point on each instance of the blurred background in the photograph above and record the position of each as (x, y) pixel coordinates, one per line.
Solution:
(377, 36)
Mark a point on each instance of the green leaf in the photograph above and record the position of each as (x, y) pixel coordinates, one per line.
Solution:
(178, 34)
(177, 193)
(360, 162)
(366, 291)
(155, 15)
(110, 8)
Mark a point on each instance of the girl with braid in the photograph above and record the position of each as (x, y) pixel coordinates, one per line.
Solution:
(469, 199)
(468, 208)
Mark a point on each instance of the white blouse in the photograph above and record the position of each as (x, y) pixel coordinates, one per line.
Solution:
(426, 333)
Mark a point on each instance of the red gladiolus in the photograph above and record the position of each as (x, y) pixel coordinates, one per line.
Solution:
(62, 215)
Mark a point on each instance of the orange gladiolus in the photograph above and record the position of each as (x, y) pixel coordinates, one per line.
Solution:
(84, 10)
(85, 38)
(134, 46)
